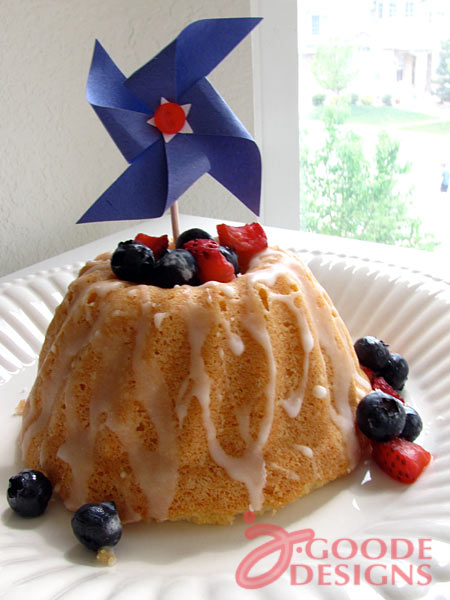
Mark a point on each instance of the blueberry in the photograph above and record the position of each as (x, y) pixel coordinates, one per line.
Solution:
(231, 257)
(96, 525)
(28, 493)
(176, 267)
(396, 371)
(380, 417)
(413, 424)
(132, 261)
(192, 234)
(372, 353)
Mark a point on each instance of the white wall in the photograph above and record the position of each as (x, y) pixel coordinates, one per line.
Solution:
(56, 156)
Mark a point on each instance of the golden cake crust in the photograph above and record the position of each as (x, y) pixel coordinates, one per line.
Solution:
(194, 403)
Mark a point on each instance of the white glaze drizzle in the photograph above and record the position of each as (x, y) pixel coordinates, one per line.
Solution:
(266, 267)
(234, 340)
(288, 472)
(319, 391)
(157, 471)
(73, 343)
(159, 318)
(293, 403)
(305, 450)
(182, 402)
(250, 467)
(226, 289)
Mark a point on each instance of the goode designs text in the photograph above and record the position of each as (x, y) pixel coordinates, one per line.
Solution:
(334, 562)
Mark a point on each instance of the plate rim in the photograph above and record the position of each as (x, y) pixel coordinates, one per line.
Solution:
(306, 254)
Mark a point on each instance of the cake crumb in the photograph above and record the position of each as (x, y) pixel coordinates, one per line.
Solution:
(19, 408)
(106, 557)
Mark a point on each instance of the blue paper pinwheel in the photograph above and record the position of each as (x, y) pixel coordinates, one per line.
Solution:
(172, 126)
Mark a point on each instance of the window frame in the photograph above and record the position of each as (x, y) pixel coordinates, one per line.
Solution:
(276, 110)
(315, 24)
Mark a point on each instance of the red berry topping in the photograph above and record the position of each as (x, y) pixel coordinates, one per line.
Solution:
(158, 244)
(246, 241)
(212, 265)
(368, 372)
(402, 460)
(380, 383)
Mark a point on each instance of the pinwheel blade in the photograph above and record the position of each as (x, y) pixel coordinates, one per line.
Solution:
(202, 45)
(210, 114)
(156, 79)
(186, 162)
(194, 53)
(234, 156)
(236, 164)
(139, 193)
(105, 85)
(123, 115)
(130, 131)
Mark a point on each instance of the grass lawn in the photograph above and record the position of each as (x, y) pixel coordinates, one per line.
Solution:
(384, 115)
(379, 115)
(441, 128)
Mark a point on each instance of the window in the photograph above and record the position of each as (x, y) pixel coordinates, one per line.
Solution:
(370, 113)
(409, 9)
(315, 24)
(396, 94)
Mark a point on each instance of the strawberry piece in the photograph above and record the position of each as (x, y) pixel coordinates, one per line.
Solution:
(212, 264)
(246, 241)
(157, 244)
(402, 460)
(368, 372)
(380, 383)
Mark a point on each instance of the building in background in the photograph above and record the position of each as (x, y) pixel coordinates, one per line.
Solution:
(397, 43)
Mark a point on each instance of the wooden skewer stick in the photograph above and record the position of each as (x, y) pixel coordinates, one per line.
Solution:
(175, 218)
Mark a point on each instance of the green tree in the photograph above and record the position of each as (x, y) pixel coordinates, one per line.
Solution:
(346, 195)
(333, 67)
(443, 73)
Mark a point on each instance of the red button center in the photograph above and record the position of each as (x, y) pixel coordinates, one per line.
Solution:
(169, 117)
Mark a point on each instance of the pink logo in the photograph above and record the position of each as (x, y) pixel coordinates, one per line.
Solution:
(282, 542)
(377, 554)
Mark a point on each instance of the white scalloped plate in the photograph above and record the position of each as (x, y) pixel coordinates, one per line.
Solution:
(40, 558)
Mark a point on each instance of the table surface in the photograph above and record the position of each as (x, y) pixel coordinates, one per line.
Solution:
(432, 264)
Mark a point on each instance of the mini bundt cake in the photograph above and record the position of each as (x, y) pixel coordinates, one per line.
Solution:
(195, 402)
